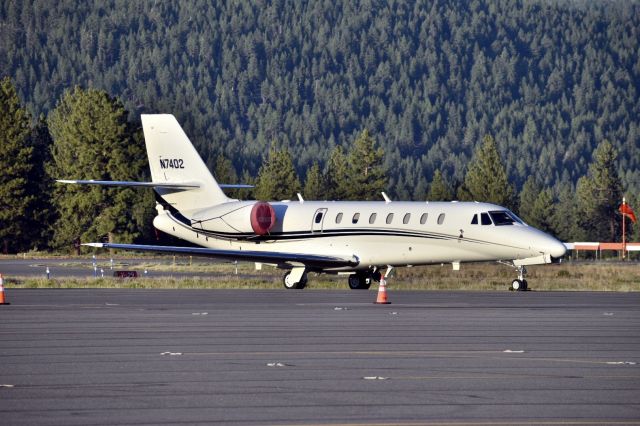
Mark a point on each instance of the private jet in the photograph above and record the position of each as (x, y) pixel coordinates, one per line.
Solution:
(356, 238)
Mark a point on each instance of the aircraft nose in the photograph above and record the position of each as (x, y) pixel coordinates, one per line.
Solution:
(554, 247)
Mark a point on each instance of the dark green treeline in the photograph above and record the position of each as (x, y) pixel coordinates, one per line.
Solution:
(88, 136)
(548, 80)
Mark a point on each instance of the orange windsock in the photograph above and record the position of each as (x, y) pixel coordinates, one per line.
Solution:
(627, 211)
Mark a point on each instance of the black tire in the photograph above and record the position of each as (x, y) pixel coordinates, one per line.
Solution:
(516, 285)
(359, 281)
(294, 286)
(354, 282)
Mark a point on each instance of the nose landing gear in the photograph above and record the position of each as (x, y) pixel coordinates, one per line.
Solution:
(520, 284)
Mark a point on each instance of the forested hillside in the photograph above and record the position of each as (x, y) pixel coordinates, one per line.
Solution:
(549, 80)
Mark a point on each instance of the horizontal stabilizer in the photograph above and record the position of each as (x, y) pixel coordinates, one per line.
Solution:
(242, 255)
(174, 185)
(234, 186)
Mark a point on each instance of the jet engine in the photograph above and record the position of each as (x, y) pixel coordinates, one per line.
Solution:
(257, 218)
(263, 217)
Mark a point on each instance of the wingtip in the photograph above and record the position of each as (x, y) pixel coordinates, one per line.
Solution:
(98, 245)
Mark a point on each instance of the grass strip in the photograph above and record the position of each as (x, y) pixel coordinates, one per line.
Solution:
(476, 277)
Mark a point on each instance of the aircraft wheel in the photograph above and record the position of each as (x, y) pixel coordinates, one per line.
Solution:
(516, 285)
(354, 281)
(359, 281)
(291, 285)
(525, 285)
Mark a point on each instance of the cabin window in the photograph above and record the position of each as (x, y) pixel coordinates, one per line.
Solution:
(501, 218)
(339, 218)
(389, 218)
(406, 218)
(485, 220)
(355, 218)
(423, 219)
(441, 219)
(318, 217)
(372, 218)
(474, 221)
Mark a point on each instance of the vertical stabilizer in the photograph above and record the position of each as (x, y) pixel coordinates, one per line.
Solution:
(173, 159)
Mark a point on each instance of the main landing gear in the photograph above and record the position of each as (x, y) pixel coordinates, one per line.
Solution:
(296, 279)
(362, 280)
(520, 284)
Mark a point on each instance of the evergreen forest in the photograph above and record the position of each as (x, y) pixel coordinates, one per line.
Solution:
(550, 89)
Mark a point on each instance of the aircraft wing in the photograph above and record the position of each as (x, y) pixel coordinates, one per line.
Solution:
(281, 259)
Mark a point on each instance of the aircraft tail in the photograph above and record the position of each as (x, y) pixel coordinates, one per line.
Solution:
(174, 161)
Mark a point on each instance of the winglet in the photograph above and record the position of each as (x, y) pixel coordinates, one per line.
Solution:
(99, 245)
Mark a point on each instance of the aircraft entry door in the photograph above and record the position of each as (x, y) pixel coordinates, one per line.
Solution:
(318, 220)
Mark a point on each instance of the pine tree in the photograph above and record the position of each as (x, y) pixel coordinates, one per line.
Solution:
(224, 170)
(530, 192)
(42, 217)
(16, 202)
(93, 140)
(633, 229)
(225, 173)
(600, 195)
(565, 217)
(542, 211)
(335, 177)
(366, 174)
(486, 179)
(439, 189)
(277, 179)
(246, 193)
(313, 184)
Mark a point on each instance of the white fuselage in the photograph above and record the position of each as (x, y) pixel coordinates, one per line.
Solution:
(321, 236)
(378, 234)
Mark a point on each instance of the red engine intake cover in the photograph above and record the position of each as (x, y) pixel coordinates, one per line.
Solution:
(263, 217)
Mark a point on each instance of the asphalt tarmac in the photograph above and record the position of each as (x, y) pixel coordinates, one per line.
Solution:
(84, 267)
(92, 357)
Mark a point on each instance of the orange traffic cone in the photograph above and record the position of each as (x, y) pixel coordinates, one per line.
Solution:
(2, 299)
(382, 293)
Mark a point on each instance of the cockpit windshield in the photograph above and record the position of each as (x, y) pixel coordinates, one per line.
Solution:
(504, 217)
(515, 217)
